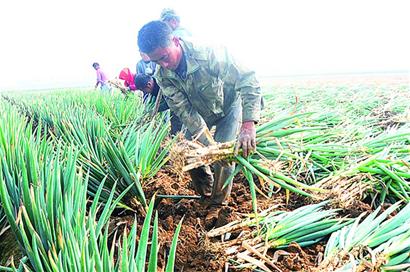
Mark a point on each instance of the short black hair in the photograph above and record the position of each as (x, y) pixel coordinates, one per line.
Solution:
(141, 81)
(153, 35)
(95, 64)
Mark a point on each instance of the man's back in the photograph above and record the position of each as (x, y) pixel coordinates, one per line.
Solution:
(101, 77)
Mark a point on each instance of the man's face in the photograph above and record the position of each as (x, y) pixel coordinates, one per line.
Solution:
(149, 87)
(173, 23)
(168, 57)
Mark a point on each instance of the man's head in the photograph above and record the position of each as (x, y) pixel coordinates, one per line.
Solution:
(170, 17)
(96, 65)
(144, 83)
(155, 39)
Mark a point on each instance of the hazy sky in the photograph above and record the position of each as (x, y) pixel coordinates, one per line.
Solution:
(52, 43)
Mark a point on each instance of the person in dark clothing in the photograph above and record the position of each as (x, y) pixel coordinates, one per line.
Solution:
(150, 88)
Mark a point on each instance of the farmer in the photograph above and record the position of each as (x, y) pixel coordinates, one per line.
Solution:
(149, 87)
(205, 87)
(128, 78)
(102, 79)
(170, 17)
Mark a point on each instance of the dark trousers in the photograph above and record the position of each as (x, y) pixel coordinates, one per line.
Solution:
(206, 184)
(176, 124)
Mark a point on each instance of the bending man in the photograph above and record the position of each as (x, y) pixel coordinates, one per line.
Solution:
(205, 87)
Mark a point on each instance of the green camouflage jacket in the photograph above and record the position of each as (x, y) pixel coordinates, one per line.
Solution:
(214, 82)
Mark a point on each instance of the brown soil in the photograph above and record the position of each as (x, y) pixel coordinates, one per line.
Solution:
(9, 249)
(387, 119)
(300, 259)
(196, 252)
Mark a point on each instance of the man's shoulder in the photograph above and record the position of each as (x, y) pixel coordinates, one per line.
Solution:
(182, 32)
(162, 74)
(204, 51)
(197, 50)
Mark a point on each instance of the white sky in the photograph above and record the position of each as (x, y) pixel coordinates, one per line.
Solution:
(52, 43)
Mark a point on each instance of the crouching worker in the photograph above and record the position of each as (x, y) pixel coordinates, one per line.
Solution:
(128, 78)
(205, 87)
(150, 88)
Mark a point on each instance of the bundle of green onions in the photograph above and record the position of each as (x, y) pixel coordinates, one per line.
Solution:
(187, 155)
(306, 226)
(353, 243)
(383, 176)
(394, 255)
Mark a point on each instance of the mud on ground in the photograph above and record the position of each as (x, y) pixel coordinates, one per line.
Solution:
(195, 252)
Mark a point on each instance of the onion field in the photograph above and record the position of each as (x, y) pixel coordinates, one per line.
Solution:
(92, 182)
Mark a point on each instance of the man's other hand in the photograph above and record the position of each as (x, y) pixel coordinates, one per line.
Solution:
(247, 138)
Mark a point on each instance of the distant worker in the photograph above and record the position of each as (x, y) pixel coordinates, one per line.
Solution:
(102, 79)
(205, 87)
(170, 17)
(150, 88)
(145, 66)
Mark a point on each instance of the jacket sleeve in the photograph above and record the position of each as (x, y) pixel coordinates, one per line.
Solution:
(180, 105)
(224, 66)
(163, 106)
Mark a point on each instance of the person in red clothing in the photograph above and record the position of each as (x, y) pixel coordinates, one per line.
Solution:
(128, 78)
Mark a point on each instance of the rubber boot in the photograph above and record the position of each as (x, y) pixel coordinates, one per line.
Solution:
(202, 181)
(221, 174)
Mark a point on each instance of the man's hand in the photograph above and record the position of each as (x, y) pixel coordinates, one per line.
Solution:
(247, 138)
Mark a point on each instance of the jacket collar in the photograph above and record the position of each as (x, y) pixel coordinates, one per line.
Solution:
(192, 56)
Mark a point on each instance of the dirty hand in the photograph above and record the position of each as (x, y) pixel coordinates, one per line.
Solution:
(246, 139)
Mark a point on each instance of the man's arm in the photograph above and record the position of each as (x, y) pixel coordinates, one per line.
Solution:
(163, 106)
(223, 65)
(98, 79)
(180, 105)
